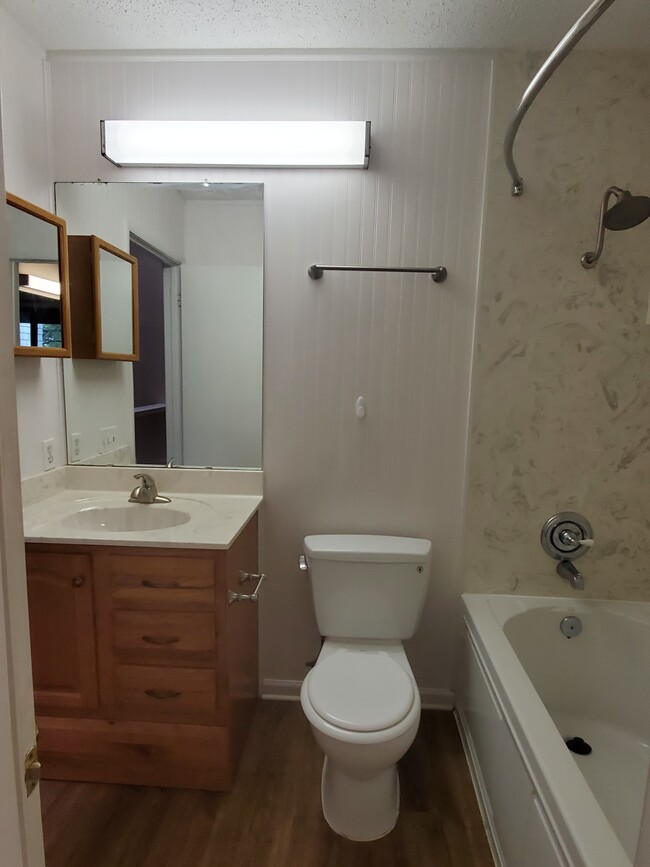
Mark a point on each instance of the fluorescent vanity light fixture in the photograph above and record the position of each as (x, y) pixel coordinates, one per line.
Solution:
(238, 144)
(39, 286)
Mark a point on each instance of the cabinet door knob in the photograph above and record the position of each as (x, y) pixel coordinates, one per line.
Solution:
(79, 581)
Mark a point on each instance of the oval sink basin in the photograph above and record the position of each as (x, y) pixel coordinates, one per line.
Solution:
(122, 519)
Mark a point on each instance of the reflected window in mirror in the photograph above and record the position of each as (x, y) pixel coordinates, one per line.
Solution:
(39, 276)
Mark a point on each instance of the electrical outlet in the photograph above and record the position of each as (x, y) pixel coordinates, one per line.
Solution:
(48, 454)
(109, 439)
(74, 447)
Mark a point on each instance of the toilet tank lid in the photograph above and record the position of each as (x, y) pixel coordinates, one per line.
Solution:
(373, 549)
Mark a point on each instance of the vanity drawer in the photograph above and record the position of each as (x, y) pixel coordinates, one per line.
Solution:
(161, 583)
(164, 637)
(144, 692)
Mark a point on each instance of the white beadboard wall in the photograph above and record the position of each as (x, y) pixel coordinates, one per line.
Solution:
(403, 342)
(23, 94)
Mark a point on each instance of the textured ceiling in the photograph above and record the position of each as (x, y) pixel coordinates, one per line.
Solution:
(297, 24)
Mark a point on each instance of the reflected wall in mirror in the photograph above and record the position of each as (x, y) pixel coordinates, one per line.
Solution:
(39, 276)
(195, 395)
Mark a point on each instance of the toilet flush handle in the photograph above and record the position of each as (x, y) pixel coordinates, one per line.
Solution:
(302, 563)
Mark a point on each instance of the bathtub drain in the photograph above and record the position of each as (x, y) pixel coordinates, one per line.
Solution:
(577, 745)
(570, 626)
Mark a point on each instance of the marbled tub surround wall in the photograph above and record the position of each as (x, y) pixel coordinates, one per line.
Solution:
(561, 393)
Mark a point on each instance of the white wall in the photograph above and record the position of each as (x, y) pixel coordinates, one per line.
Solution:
(99, 394)
(23, 88)
(402, 341)
(221, 281)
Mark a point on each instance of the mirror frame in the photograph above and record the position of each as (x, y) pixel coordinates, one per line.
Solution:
(41, 214)
(99, 244)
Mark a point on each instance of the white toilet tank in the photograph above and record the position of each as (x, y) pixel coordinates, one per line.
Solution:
(368, 586)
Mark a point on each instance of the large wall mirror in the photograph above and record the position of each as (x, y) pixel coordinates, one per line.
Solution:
(194, 397)
(39, 277)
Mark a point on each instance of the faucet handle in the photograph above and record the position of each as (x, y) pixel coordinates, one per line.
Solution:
(147, 481)
(568, 537)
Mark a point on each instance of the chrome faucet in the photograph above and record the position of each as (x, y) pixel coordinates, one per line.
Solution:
(147, 492)
(565, 569)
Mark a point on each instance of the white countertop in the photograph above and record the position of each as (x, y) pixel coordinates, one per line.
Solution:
(212, 520)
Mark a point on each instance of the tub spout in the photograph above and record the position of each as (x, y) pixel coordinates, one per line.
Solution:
(566, 569)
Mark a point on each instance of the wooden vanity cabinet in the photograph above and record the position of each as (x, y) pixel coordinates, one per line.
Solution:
(172, 667)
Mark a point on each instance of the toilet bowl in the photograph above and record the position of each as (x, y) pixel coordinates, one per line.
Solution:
(361, 698)
(363, 706)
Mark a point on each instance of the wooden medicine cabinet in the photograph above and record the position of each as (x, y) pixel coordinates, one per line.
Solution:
(103, 300)
(38, 262)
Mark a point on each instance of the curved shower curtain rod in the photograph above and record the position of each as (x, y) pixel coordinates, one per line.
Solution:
(546, 70)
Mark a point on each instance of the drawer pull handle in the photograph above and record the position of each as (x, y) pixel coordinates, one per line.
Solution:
(161, 639)
(162, 693)
(173, 585)
(79, 581)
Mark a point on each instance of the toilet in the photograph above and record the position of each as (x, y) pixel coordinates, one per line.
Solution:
(361, 697)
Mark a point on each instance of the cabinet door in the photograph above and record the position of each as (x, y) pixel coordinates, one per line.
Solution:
(62, 630)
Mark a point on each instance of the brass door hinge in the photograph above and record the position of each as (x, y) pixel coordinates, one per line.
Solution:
(32, 770)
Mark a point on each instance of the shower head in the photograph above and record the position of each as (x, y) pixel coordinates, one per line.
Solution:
(626, 212)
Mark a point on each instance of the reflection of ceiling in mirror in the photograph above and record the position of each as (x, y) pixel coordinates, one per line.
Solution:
(218, 191)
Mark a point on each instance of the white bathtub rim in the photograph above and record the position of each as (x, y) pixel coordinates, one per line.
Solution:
(587, 836)
(505, 606)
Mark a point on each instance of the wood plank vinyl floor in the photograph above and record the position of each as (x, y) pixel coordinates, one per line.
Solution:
(273, 816)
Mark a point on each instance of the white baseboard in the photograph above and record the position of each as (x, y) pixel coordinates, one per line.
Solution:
(281, 690)
(289, 690)
(433, 698)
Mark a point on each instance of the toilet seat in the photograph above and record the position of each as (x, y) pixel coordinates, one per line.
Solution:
(360, 691)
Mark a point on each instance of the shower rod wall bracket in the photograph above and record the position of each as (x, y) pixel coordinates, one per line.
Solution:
(546, 70)
(438, 274)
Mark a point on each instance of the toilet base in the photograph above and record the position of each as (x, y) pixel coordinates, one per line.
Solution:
(361, 808)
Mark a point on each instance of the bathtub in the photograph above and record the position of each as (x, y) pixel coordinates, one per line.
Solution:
(523, 688)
